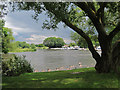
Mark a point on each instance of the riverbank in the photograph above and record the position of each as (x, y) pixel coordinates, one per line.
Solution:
(27, 49)
(23, 50)
(77, 78)
(42, 47)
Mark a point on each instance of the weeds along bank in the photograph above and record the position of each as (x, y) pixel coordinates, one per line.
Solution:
(13, 65)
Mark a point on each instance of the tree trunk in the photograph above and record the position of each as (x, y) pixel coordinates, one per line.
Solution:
(110, 59)
(104, 64)
(116, 57)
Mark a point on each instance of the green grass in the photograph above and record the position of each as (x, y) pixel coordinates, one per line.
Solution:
(22, 50)
(77, 78)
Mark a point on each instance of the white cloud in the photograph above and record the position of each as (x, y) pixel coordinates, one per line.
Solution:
(18, 29)
(38, 36)
(37, 39)
(67, 41)
(15, 34)
(31, 39)
(17, 26)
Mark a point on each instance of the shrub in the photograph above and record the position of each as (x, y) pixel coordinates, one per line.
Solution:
(40, 45)
(16, 66)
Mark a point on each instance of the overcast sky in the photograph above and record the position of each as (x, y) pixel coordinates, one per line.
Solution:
(25, 28)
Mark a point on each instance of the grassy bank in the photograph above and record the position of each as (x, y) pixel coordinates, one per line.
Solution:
(27, 49)
(42, 47)
(77, 78)
(23, 50)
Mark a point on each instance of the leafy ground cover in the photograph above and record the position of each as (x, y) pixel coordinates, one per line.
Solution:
(77, 78)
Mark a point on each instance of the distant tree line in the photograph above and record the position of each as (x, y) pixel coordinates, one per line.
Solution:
(80, 41)
(17, 45)
(40, 45)
(25, 45)
(53, 42)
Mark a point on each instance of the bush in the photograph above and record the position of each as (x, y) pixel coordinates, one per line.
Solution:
(72, 44)
(16, 66)
(40, 45)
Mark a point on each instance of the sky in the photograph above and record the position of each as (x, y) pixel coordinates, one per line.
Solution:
(25, 28)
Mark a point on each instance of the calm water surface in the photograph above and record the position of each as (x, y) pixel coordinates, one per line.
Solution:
(52, 59)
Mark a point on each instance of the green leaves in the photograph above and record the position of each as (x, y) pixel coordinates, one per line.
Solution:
(33, 46)
(6, 39)
(53, 42)
(80, 41)
(15, 66)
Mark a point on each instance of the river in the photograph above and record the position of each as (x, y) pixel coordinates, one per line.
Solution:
(42, 60)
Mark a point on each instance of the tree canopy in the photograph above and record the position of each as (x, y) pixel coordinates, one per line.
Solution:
(53, 42)
(7, 37)
(33, 46)
(80, 41)
(39, 45)
(72, 44)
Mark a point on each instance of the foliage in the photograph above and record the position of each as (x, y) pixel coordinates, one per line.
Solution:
(16, 66)
(80, 41)
(39, 45)
(72, 44)
(33, 46)
(22, 44)
(25, 45)
(53, 42)
(116, 38)
(6, 39)
(43, 47)
(77, 78)
(21, 47)
(12, 46)
(1, 26)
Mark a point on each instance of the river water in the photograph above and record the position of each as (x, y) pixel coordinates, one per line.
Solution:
(42, 60)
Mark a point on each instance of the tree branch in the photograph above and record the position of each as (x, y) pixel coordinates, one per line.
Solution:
(85, 7)
(91, 4)
(88, 40)
(96, 56)
(100, 12)
(92, 15)
(115, 31)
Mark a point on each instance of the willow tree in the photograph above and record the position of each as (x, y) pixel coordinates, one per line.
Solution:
(102, 17)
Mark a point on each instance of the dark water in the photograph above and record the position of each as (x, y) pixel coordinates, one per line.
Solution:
(52, 59)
